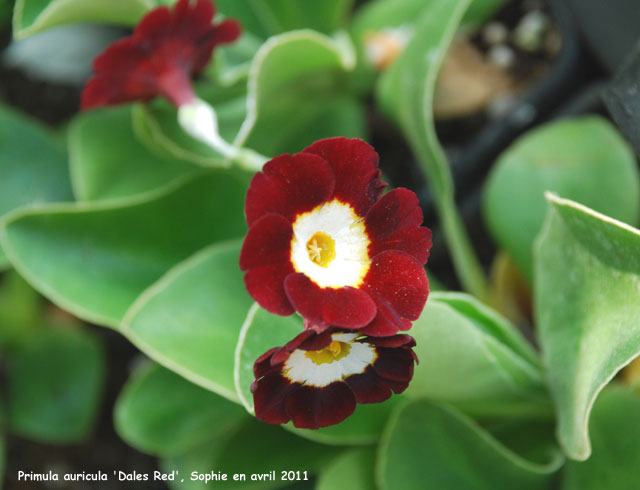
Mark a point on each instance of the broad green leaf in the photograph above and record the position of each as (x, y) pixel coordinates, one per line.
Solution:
(428, 446)
(254, 449)
(108, 161)
(405, 92)
(55, 385)
(157, 126)
(296, 94)
(190, 319)
(33, 166)
(587, 281)
(470, 361)
(32, 16)
(95, 259)
(152, 422)
(583, 159)
(262, 331)
(492, 323)
(615, 432)
(353, 470)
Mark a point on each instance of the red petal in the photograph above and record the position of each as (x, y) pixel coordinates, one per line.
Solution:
(398, 285)
(355, 166)
(344, 307)
(289, 185)
(265, 257)
(312, 408)
(368, 387)
(269, 398)
(395, 341)
(394, 364)
(263, 364)
(393, 223)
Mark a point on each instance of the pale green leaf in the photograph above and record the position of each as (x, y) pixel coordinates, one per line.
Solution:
(296, 95)
(32, 16)
(152, 422)
(428, 446)
(587, 286)
(54, 386)
(190, 320)
(33, 166)
(583, 159)
(108, 161)
(474, 361)
(95, 259)
(615, 432)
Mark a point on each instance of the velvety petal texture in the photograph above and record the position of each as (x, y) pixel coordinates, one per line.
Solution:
(350, 258)
(316, 380)
(167, 47)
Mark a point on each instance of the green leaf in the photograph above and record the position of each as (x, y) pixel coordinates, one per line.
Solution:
(33, 167)
(95, 259)
(583, 159)
(405, 92)
(255, 448)
(587, 282)
(108, 161)
(352, 470)
(152, 422)
(32, 16)
(54, 386)
(296, 93)
(262, 331)
(427, 446)
(615, 432)
(190, 319)
(474, 361)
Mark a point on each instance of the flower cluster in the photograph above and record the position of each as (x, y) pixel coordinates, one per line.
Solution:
(167, 47)
(325, 242)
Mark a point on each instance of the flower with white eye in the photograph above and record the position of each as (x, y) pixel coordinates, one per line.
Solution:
(322, 241)
(316, 380)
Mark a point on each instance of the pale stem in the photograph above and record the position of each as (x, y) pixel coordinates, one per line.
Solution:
(199, 120)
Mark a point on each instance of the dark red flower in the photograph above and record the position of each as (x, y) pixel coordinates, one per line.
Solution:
(167, 47)
(323, 242)
(317, 379)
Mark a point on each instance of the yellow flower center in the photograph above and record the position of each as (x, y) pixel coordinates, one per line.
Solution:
(321, 249)
(335, 351)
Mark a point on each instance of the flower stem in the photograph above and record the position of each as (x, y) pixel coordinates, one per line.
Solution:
(199, 119)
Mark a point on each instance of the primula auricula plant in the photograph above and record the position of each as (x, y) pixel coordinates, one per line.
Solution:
(295, 289)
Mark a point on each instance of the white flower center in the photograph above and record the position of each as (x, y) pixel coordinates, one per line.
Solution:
(330, 245)
(302, 368)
